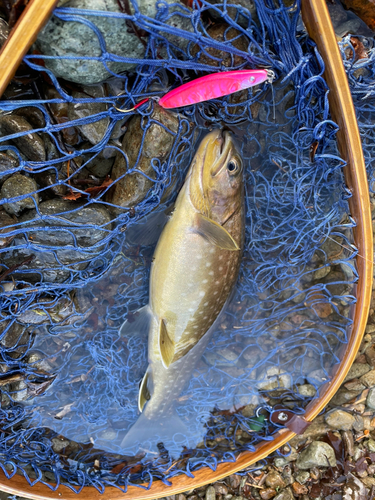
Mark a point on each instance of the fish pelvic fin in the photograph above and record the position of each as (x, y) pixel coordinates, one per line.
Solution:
(166, 345)
(144, 391)
(214, 233)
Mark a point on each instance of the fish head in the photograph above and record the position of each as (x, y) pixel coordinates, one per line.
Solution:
(216, 184)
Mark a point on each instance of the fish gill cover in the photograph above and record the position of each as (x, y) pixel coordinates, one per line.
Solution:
(84, 194)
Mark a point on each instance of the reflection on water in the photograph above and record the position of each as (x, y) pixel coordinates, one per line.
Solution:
(272, 348)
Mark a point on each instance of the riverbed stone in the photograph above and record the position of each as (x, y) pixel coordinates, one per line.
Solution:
(357, 370)
(30, 144)
(7, 164)
(368, 378)
(70, 233)
(19, 185)
(340, 420)
(132, 188)
(66, 38)
(317, 454)
(94, 131)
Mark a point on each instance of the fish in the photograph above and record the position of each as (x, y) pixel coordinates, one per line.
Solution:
(212, 86)
(195, 267)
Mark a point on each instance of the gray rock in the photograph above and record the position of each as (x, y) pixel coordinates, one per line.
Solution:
(132, 188)
(46, 311)
(370, 401)
(210, 493)
(37, 359)
(343, 396)
(101, 164)
(221, 488)
(317, 454)
(19, 185)
(302, 477)
(322, 273)
(357, 370)
(274, 378)
(78, 243)
(370, 445)
(368, 378)
(58, 444)
(284, 495)
(4, 31)
(15, 338)
(307, 390)
(33, 115)
(94, 131)
(7, 164)
(340, 420)
(31, 145)
(60, 38)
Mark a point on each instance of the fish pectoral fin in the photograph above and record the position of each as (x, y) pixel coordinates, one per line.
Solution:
(214, 233)
(144, 391)
(166, 345)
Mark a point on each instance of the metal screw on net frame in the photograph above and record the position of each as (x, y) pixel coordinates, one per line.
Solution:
(282, 416)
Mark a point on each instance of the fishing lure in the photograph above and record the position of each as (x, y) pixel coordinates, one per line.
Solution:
(210, 87)
(213, 86)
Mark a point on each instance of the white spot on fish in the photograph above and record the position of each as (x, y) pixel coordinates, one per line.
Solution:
(220, 257)
(202, 293)
(211, 273)
(220, 268)
(215, 293)
(206, 304)
(208, 264)
(205, 281)
(212, 250)
(217, 282)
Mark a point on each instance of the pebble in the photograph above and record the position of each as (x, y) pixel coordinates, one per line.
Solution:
(342, 396)
(234, 481)
(132, 188)
(370, 355)
(274, 480)
(368, 379)
(307, 390)
(60, 214)
(316, 455)
(339, 419)
(267, 494)
(33, 115)
(299, 489)
(348, 439)
(221, 488)
(4, 31)
(94, 131)
(15, 339)
(322, 272)
(273, 378)
(302, 477)
(370, 401)
(370, 445)
(7, 163)
(31, 145)
(357, 370)
(210, 493)
(285, 495)
(6, 223)
(19, 185)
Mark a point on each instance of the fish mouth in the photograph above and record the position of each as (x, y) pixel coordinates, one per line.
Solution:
(225, 148)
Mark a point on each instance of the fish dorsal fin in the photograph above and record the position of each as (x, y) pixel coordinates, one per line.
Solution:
(144, 392)
(166, 345)
(214, 233)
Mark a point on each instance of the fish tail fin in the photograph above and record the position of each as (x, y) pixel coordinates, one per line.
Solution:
(146, 435)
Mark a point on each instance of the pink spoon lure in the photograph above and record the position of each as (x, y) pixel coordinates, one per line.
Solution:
(212, 86)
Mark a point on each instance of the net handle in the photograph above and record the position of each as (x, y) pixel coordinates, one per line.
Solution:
(22, 36)
(316, 18)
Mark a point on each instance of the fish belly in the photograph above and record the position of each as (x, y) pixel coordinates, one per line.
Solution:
(191, 280)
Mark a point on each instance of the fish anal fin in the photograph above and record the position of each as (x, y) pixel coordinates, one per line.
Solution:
(166, 345)
(144, 392)
(214, 233)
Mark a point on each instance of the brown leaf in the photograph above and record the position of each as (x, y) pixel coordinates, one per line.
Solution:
(96, 190)
(119, 467)
(359, 49)
(365, 9)
(313, 148)
(36, 389)
(73, 195)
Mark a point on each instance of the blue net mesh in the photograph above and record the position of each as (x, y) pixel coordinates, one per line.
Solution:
(84, 193)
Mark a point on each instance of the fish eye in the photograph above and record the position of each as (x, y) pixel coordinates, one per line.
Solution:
(234, 166)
